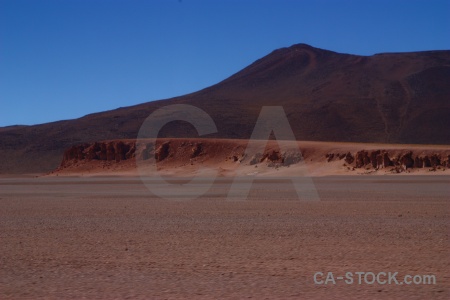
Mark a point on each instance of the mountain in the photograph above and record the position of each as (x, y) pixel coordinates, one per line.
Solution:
(327, 96)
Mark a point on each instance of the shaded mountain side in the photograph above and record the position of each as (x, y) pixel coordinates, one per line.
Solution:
(327, 96)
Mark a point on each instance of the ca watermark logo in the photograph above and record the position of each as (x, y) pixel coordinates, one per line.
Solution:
(272, 119)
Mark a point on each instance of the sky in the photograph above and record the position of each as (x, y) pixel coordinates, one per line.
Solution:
(62, 59)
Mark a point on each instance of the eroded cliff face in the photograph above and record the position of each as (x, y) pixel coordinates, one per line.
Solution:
(117, 151)
(394, 160)
(179, 152)
(103, 151)
(172, 151)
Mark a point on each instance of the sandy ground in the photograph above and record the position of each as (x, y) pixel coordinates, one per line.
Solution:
(109, 237)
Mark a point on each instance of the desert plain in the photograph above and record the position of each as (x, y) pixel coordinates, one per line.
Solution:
(109, 237)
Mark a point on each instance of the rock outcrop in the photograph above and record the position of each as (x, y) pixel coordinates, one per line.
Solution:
(106, 151)
(161, 152)
(181, 152)
(196, 150)
(398, 161)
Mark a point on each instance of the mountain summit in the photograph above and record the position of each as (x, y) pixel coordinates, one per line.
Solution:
(327, 96)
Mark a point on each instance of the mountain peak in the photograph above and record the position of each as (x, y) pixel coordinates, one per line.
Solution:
(284, 61)
(327, 96)
(306, 47)
(302, 46)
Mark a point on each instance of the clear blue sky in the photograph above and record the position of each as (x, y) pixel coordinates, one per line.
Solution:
(63, 59)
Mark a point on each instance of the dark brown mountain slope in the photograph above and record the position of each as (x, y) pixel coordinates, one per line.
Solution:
(328, 96)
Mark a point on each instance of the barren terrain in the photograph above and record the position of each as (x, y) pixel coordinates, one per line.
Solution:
(81, 218)
(109, 237)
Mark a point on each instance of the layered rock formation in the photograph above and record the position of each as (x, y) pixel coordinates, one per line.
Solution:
(397, 161)
(103, 151)
(117, 151)
(179, 152)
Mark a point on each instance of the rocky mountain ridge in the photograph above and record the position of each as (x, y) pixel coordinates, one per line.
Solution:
(327, 96)
(194, 151)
